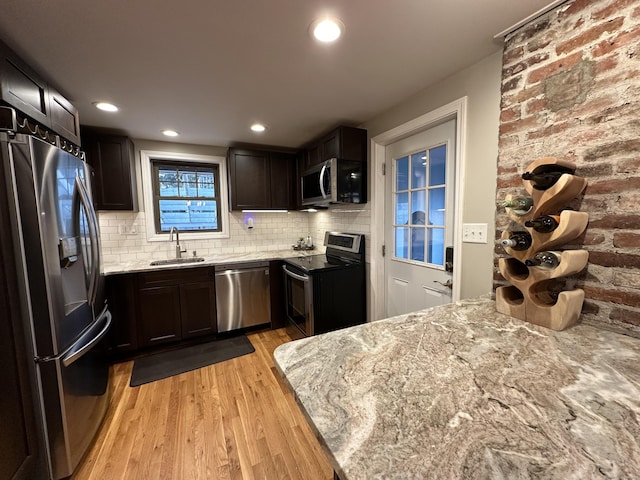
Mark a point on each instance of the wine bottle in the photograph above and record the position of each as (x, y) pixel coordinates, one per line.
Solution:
(545, 176)
(544, 260)
(519, 205)
(544, 223)
(517, 241)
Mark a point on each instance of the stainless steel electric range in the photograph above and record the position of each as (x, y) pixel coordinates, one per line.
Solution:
(326, 292)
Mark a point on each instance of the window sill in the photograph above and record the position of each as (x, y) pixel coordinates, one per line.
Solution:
(164, 237)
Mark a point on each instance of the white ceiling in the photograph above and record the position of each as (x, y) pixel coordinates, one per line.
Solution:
(209, 68)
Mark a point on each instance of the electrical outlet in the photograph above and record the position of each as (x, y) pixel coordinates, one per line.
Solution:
(124, 229)
(474, 233)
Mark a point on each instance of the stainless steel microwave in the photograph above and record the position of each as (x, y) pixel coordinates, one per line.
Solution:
(334, 181)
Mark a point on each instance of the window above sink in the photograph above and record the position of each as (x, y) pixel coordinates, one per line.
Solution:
(184, 190)
(186, 196)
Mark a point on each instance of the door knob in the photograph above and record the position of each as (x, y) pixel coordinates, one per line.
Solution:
(448, 283)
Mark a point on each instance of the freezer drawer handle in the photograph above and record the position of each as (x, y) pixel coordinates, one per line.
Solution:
(77, 352)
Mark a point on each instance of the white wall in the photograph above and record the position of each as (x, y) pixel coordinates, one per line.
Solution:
(480, 83)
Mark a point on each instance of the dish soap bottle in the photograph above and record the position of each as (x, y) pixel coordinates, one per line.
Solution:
(309, 241)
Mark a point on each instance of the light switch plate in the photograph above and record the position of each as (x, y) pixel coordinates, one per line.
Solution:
(474, 233)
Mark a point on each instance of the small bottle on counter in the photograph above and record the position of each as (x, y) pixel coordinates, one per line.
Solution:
(309, 241)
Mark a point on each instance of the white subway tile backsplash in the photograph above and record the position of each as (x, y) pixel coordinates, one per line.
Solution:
(108, 229)
(272, 231)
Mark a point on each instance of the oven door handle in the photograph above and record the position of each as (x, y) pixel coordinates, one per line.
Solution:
(302, 278)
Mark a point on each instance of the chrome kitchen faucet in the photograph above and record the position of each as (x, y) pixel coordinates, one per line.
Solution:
(179, 252)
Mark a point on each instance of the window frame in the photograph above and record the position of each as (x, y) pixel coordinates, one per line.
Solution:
(147, 160)
(410, 225)
(159, 164)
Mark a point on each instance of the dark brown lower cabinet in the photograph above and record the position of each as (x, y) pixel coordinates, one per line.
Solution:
(161, 307)
(175, 305)
(197, 309)
(121, 291)
(159, 315)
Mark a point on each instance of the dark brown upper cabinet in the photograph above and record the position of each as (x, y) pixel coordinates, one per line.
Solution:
(282, 178)
(26, 91)
(113, 160)
(65, 120)
(348, 143)
(261, 179)
(22, 88)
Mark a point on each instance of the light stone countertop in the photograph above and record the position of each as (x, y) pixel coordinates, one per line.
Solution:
(145, 265)
(463, 392)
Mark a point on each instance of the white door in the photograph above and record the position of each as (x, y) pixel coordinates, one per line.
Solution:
(419, 219)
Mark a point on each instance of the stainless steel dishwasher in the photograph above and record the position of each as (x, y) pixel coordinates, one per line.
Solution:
(242, 295)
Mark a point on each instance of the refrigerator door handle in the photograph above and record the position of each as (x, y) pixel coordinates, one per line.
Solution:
(83, 345)
(92, 223)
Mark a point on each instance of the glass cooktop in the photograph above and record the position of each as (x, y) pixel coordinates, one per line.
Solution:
(343, 250)
(316, 262)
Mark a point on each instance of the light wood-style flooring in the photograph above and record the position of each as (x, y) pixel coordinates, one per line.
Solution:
(232, 420)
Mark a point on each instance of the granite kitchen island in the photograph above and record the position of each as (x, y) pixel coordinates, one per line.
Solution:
(464, 392)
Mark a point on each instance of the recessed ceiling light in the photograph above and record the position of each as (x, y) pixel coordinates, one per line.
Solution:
(170, 133)
(258, 127)
(327, 30)
(106, 107)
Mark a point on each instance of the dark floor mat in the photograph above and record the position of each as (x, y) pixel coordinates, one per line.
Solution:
(166, 364)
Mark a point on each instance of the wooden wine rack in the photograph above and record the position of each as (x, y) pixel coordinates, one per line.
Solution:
(528, 297)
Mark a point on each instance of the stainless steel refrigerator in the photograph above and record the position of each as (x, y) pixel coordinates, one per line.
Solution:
(57, 254)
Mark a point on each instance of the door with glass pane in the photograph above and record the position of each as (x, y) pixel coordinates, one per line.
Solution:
(419, 219)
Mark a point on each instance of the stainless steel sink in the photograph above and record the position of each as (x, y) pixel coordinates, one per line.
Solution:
(177, 261)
